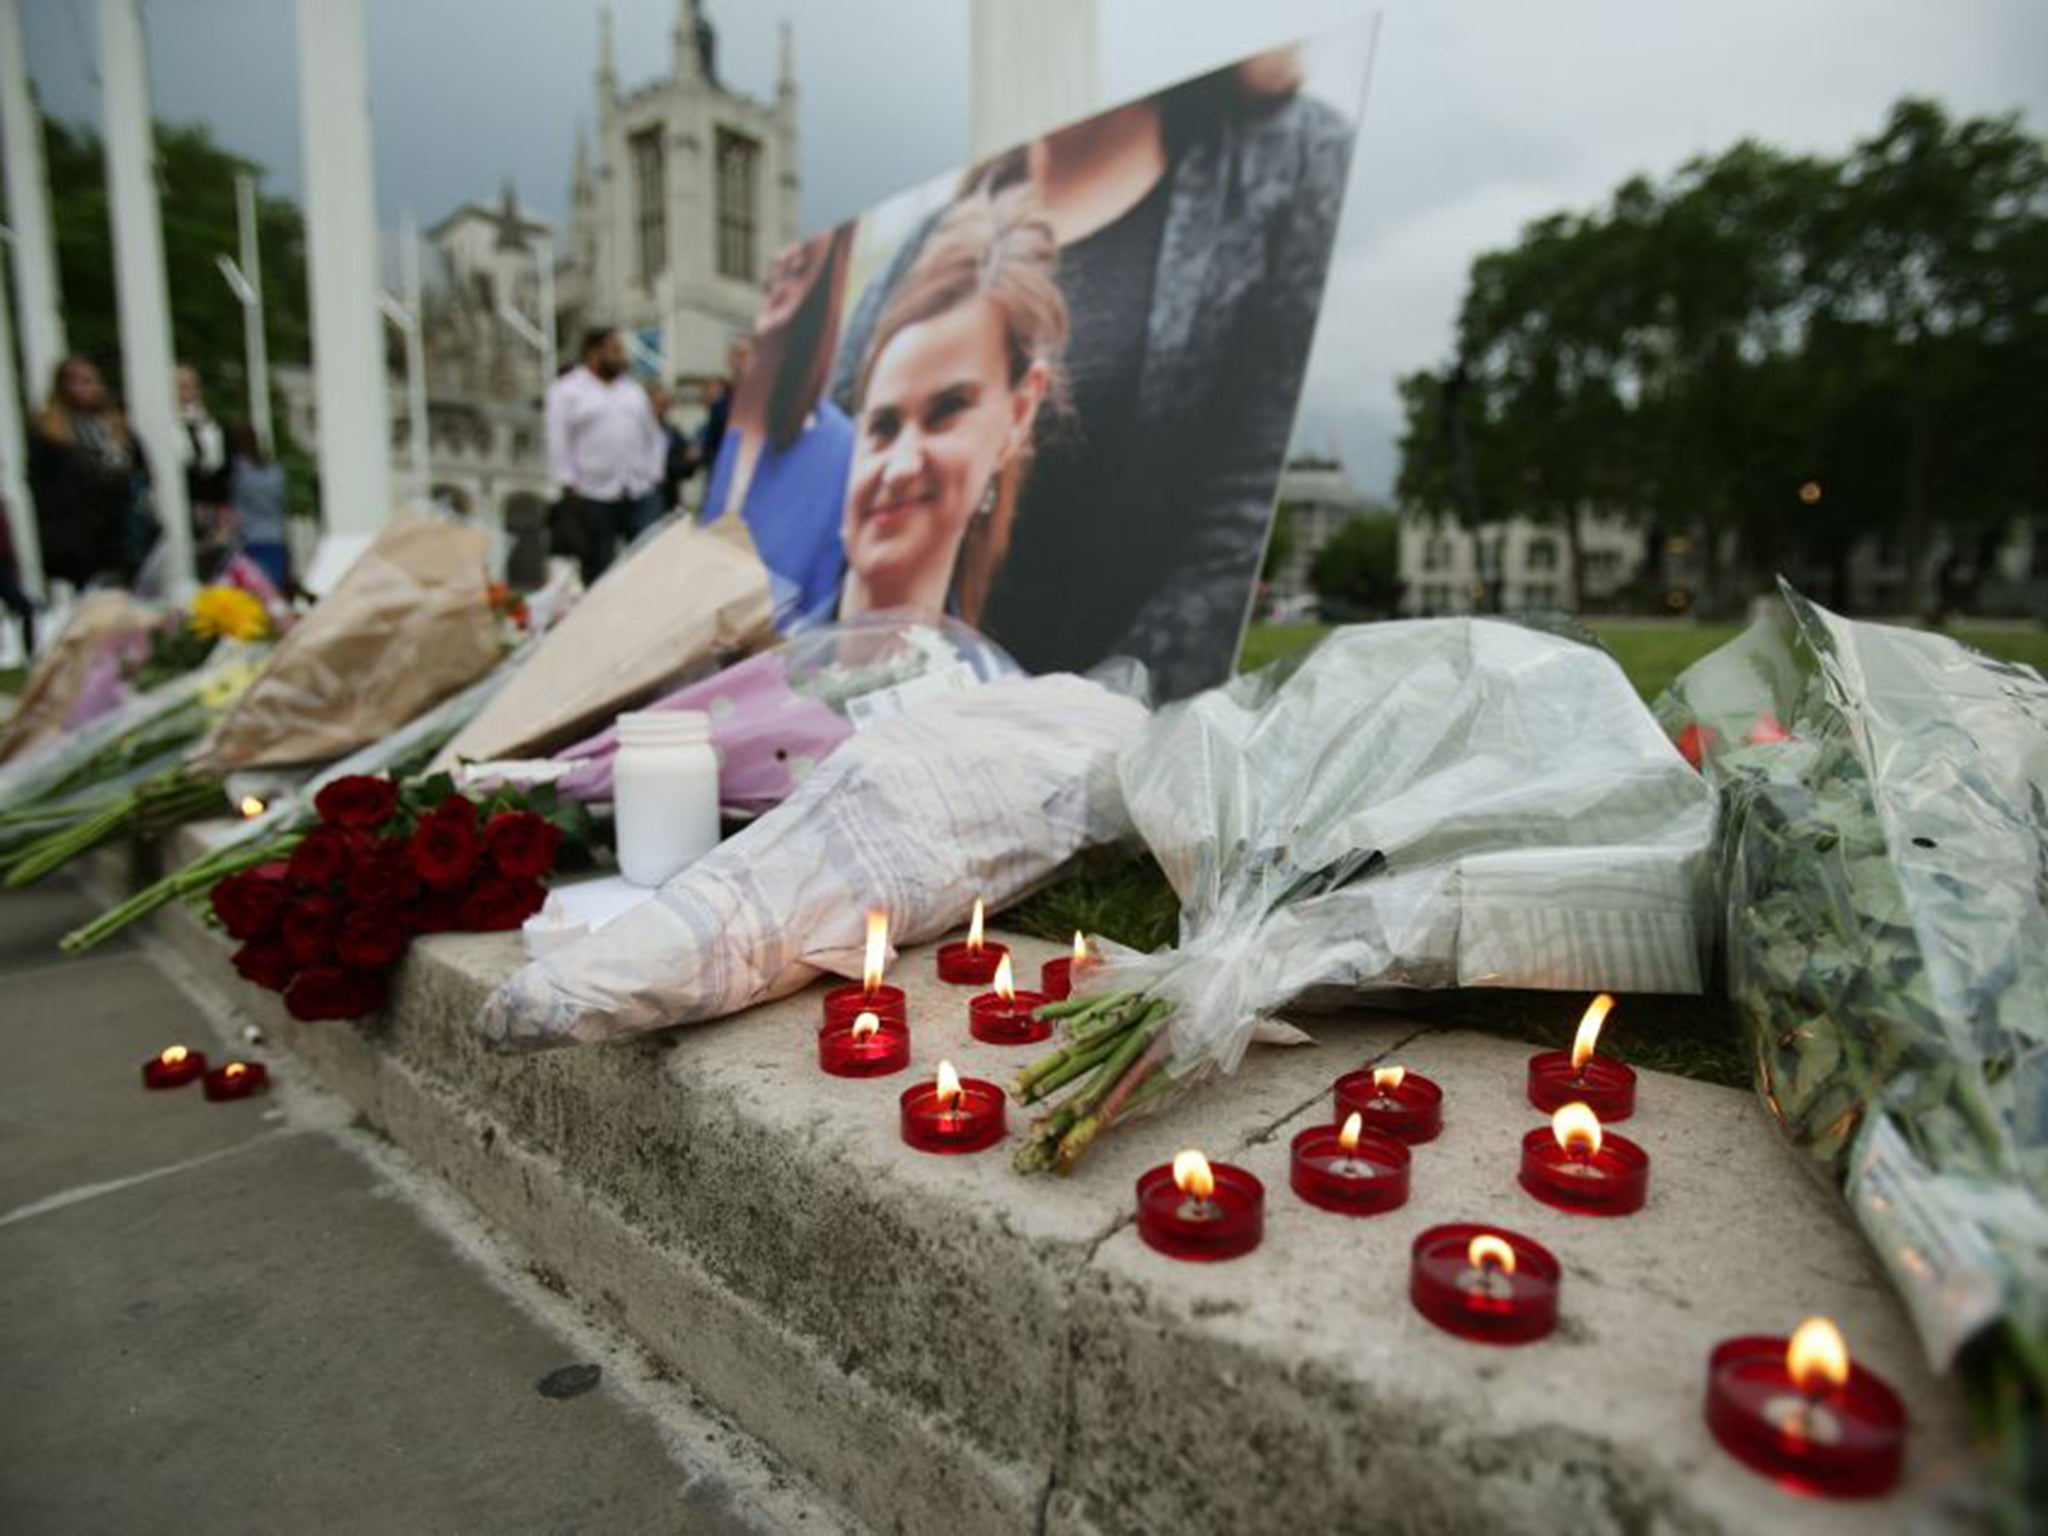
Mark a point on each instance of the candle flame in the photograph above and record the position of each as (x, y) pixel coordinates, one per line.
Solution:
(866, 1026)
(1589, 1029)
(974, 930)
(1191, 1175)
(173, 1054)
(251, 807)
(1006, 980)
(235, 1069)
(949, 1085)
(1388, 1079)
(1080, 949)
(1576, 1126)
(1817, 1357)
(878, 950)
(1348, 1137)
(1487, 1248)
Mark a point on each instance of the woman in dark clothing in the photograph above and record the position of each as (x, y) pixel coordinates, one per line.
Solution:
(86, 474)
(1194, 231)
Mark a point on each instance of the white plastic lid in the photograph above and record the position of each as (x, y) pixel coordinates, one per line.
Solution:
(665, 728)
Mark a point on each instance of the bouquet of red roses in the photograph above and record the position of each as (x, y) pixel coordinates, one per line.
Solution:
(328, 913)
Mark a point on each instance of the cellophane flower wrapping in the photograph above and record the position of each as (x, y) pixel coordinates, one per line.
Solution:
(1885, 850)
(776, 716)
(983, 793)
(1427, 803)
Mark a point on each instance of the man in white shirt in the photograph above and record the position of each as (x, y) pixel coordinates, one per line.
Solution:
(604, 449)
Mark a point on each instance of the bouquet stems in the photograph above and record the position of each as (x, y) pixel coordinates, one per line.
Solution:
(199, 876)
(151, 807)
(1116, 1043)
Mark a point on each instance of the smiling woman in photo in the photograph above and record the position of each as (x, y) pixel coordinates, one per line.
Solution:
(962, 362)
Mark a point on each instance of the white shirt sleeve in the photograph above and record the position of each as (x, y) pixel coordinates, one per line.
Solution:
(556, 413)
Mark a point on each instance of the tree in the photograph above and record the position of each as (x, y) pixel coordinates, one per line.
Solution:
(1359, 569)
(1279, 544)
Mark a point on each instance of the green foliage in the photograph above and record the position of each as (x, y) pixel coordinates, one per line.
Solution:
(1359, 569)
(1695, 352)
(1280, 544)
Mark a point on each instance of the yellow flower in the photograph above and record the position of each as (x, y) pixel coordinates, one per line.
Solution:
(231, 612)
(228, 685)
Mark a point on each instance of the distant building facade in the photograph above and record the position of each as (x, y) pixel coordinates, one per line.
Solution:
(1317, 498)
(1514, 565)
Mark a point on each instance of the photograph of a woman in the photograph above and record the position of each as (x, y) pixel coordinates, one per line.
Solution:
(782, 463)
(961, 364)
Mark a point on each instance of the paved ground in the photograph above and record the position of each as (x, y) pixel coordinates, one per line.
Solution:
(241, 1317)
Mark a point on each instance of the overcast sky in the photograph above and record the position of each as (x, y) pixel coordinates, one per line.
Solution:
(1483, 113)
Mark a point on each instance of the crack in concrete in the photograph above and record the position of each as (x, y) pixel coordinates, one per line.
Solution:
(1260, 1137)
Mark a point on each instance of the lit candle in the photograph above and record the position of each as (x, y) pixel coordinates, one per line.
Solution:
(173, 1067)
(1557, 1078)
(251, 807)
(1393, 1101)
(845, 1004)
(952, 1113)
(1577, 1167)
(1057, 976)
(1193, 1209)
(1484, 1283)
(1005, 1016)
(870, 1046)
(1801, 1412)
(237, 1080)
(974, 962)
(1349, 1169)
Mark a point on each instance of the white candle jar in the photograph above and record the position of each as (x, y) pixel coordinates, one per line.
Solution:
(664, 793)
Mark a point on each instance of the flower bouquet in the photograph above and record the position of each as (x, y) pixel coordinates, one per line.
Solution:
(55, 683)
(1434, 803)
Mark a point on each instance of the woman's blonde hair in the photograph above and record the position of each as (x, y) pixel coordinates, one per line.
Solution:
(54, 420)
(990, 246)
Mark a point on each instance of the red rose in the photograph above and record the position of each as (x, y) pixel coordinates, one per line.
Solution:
(382, 876)
(521, 845)
(434, 912)
(1768, 728)
(497, 906)
(459, 807)
(248, 903)
(444, 850)
(308, 928)
(329, 992)
(323, 857)
(267, 963)
(370, 941)
(358, 800)
(1694, 742)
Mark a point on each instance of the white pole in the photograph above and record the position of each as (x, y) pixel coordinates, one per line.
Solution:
(341, 257)
(255, 348)
(1031, 67)
(415, 352)
(21, 514)
(36, 295)
(142, 295)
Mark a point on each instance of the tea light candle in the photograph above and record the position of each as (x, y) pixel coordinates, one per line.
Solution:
(1350, 1169)
(1484, 1283)
(1056, 976)
(1801, 1413)
(974, 962)
(870, 1046)
(1004, 1016)
(1576, 1167)
(952, 1113)
(173, 1067)
(1191, 1209)
(1557, 1078)
(845, 1004)
(1393, 1101)
(237, 1080)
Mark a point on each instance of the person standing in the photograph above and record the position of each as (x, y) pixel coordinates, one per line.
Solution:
(604, 448)
(12, 597)
(256, 493)
(89, 480)
(203, 454)
(672, 465)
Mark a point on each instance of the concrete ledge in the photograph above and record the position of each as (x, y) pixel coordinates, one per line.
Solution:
(945, 1346)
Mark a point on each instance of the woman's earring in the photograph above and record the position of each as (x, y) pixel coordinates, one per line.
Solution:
(987, 508)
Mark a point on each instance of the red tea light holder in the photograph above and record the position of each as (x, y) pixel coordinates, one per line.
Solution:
(1577, 1076)
(1193, 1209)
(1393, 1101)
(869, 1046)
(1801, 1413)
(173, 1067)
(1004, 1016)
(1577, 1167)
(1485, 1284)
(1349, 1169)
(972, 963)
(1056, 976)
(845, 1004)
(953, 1113)
(237, 1080)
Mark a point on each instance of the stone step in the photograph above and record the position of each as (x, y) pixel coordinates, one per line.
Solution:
(946, 1346)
